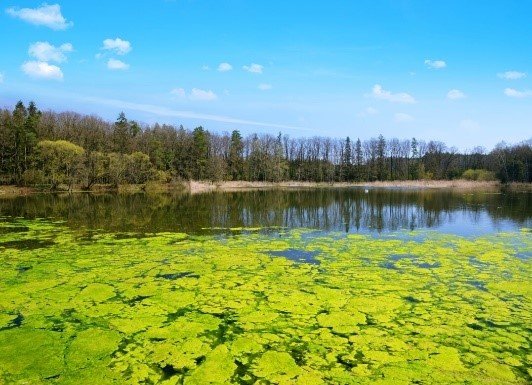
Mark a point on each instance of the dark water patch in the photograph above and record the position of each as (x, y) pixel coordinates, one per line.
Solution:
(135, 300)
(392, 259)
(169, 371)
(27, 244)
(13, 229)
(14, 323)
(411, 299)
(473, 261)
(243, 374)
(475, 326)
(478, 284)
(23, 269)
(523, 256)
(174, 276)
(297, 255)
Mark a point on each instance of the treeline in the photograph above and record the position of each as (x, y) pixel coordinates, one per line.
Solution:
(52, 149)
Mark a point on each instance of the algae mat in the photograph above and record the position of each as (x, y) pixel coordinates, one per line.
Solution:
(284, 307)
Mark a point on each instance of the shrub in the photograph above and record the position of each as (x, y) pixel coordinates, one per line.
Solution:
(478, 175)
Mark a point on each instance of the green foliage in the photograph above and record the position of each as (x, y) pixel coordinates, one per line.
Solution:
(202, 155)
(60, 161)
(478, 175)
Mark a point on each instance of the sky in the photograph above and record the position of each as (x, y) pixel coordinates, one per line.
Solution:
(455, 71)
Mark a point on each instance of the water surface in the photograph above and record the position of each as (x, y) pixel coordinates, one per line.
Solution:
(266, 287)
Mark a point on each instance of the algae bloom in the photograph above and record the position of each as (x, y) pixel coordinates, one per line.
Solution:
(169, 308)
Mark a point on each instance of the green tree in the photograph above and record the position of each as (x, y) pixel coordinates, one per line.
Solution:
(60, 161)
(236, 158)
(94, 168)
(121, 134)
(139, 168)
(201, 153)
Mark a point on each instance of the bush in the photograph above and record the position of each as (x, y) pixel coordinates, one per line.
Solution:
(33, 177)
(478, 175)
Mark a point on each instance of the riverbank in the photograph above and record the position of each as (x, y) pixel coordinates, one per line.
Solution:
(198, 187)
(201, 187)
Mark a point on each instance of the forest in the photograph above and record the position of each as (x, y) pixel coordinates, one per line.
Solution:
(51, 149)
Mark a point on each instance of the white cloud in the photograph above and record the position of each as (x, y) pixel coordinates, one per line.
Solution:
(469, 125)
(253, 68)
(179, 92)
(455, 94)
(511, 75)
(368, 112)
(265, 87)
(47, 15)
(224, 67)
(166, 112)
(202, 95)
(435, 64)
(42, 70)
(118, 46)
(379, 93)
(401, 117)
(44, 51)
(114, 64)
(513, 93)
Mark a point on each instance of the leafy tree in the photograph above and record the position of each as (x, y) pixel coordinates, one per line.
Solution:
(94, 168)
(236, 158)
(60, 161)
(140, 169)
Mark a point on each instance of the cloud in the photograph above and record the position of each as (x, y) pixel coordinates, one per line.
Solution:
(225, 67)
(253, 68)
(179, 92)
(401, 117)
(48, 15)
(265, 87)
(455, 94)
(435, 64)
(469, 125)
(42, 70)
(379, 93)
(166, 112)
(368, 112)
(511, 75)
(202, 95)
(114, 64)
(195, 94)
(205, 68)
(118, 46)
(513, 93)
(44, 51)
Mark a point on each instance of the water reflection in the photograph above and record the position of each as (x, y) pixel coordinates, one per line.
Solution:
(349, 210)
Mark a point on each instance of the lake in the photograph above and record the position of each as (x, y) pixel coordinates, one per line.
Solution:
(317, 286)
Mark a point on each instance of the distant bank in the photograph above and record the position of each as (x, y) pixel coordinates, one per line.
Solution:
(196, 187)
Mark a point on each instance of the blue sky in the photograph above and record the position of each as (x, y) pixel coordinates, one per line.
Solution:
(456, 71)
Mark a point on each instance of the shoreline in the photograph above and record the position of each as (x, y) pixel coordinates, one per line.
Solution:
(199, 187)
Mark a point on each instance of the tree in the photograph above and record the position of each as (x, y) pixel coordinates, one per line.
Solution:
(121, 134)
(139, 168)
(116, 168)
(346, 160)
(94, 168)
(381, 161)
(200, 153)
(60, 161)
(236, 156)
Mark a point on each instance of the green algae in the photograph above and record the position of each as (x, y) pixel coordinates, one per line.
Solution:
(176, 309)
